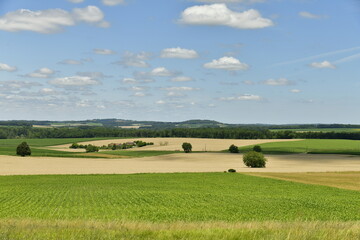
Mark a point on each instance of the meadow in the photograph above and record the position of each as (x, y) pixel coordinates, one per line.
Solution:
(182, 206)
(314, 146)
(318, 129)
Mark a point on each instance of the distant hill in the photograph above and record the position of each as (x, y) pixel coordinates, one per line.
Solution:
(194, 123)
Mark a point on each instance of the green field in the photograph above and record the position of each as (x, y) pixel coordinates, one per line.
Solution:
(318, 129)
(315, 146)
(139, 206)
(8, 146)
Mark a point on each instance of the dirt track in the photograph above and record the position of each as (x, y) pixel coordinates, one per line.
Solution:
(193, 162)
(174, 144)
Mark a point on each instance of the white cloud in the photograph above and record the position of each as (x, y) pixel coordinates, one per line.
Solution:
(227, 63)
(41, 73)
(90, 14)
(179, 53)
(50, 20)
(112, 2)
(245, 97)
(310, 15)
(135, 59)
(230, 1)
(220, 14)
(181, 79)
(180, 89)
(76, 1)
(295, 90)
(70, 62)
(278, 82)
(139, 94)
(129, 80)
(324, 64)
(161, 72)
(160, 102)
(74, 81)
(47, 91)
(7, 68)
(104, 51)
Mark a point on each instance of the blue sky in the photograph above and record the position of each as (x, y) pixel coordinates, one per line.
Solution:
(235, 61)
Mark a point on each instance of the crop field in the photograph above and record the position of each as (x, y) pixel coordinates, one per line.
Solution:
(319, 129)
(41, 148)
(144, 206)
(320, 146)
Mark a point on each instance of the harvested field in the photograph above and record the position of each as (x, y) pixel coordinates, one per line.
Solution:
(179, 162)
(345, 180)
(174, 144)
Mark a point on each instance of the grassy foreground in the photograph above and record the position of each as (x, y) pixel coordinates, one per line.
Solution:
(271, 230)
(315, 146)
(174, 206)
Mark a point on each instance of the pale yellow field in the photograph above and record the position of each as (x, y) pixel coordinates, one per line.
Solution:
(174, 144)
(180, 162)
(346, 180)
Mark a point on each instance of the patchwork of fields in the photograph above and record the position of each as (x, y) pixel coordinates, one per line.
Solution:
(298, 196)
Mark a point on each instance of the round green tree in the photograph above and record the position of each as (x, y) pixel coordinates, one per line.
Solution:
(233, 149)
(23, 149)
(257, 148)
(187, 147)
(254, 159)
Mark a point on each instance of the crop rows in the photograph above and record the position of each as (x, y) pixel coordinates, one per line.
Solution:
(172, 197)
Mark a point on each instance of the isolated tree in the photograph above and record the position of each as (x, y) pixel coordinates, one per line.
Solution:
(254, 159)
(233, 149)
(257, 148)
(187, 147)
(23, 149)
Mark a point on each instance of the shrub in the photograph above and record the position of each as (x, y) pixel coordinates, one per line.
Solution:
(231, 170)
(92, 148)
(23, 149)
(74, 146)
(233, 149)
(113, 147)
(257, 148)
(187, 147)
(254, 159)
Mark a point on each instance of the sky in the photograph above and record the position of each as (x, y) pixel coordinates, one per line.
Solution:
(234, 61)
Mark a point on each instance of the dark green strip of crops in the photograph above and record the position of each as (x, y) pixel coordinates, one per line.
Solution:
(172, 197)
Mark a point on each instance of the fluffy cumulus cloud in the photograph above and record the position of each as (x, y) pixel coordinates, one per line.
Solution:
(179, 53)
(7, 68)
(310, 15)
(227, 63)
(324, 64)
(101, 51)
(244, 97)
(220, 14)
(50, 20)
(74, 81)
(41, 73)
(278, 82)
(112, 2)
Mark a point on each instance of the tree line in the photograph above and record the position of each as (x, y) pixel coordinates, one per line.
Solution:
(221, 133)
